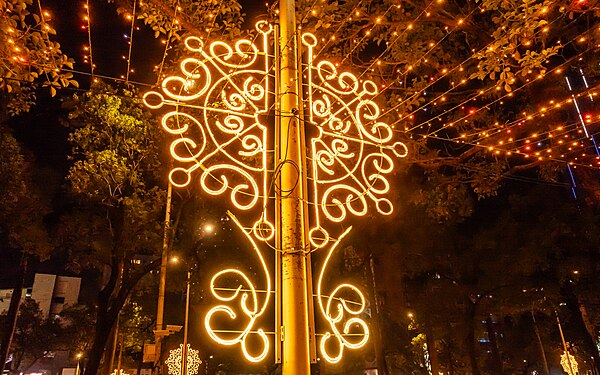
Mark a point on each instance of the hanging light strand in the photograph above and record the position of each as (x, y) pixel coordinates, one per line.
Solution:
(89, 32)
(168, 41)
(133, 17)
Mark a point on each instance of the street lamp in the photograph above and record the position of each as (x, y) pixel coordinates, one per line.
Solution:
(209, 228)
(185, 326)
(568, 355)
(566, 358)
(184, 349)
(78, 357)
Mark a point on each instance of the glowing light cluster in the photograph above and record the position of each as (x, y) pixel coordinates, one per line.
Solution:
(353, 151)
(173, 362)
(250, 306)
(335, 307)
(119, 372)
(218, 108)
(564, 362)
(218, 117)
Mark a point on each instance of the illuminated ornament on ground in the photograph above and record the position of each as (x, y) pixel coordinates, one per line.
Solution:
(565, 364)
(222, 106)
(174, 361)
(120, 372)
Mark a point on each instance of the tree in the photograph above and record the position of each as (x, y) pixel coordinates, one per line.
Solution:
(22, 230)
(136, 326)
(115, 178)
(476, 87)
(30, 58)
(36, 335)
(516, 254)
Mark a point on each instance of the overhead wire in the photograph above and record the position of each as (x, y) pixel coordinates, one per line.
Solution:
(89, 32)
(133, 18)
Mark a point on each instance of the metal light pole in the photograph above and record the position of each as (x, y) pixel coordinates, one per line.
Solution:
(185, 326)
(292, 154)
(162, 280)
(541, 345)
(77, 370)
(562, 337)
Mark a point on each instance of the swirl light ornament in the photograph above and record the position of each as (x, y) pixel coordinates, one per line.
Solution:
(219, 112)
(193, 362)
(354, 151)
(250, 306)
(341, 313)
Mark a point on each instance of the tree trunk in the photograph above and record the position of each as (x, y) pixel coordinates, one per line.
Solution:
(113, 296)
(104, 324)
(450, 361)
(108, 308)
(541, 344)
(470, 335)
(376, 318)
(13, 312)
(577, 320)
(432, 350)
(141, 361)
(496, 360)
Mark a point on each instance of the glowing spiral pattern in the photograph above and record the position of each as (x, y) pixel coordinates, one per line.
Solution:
(220, 103)
(354, 152)
(343, 315)
(192, 363)
(249, 307)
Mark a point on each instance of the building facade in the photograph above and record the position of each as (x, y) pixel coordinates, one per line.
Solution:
(52, 292)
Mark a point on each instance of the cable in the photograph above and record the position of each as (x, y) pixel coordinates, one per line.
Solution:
(164, 56)
(89, 29)
(130, 42)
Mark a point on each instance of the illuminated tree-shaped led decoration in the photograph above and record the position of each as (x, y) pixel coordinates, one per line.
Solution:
(222, 108)
(569, 364)
(173, 362)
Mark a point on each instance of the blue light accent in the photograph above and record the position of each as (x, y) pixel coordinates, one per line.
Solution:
(573, 184)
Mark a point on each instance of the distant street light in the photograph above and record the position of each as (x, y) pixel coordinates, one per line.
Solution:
(184, 348)
(78, 356)
(174, 362)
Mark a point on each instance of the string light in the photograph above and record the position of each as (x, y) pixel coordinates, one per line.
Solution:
(132, 17)
(89, 32)
(460, 68)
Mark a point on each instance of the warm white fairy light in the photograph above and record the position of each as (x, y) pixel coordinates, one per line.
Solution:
(174, 360)
(119, 372)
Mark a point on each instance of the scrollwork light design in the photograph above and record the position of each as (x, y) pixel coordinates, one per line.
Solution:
(249, 304)
(193, 362)
(353, 151)
(220, 104)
